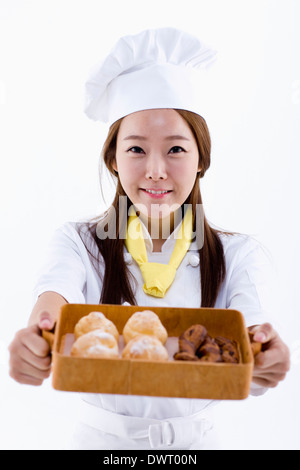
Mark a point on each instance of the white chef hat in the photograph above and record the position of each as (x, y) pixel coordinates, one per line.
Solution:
(153, 69)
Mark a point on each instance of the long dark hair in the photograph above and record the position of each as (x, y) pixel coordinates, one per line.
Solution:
(117, 280)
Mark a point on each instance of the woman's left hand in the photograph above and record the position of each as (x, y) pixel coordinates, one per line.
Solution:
(273, 362)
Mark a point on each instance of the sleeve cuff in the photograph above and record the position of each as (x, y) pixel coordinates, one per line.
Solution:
(257, 390)
(71, 296)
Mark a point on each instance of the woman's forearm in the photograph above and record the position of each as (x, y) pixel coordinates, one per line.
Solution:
(48, 302)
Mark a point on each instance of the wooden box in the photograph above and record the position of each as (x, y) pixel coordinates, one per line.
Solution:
(165, 378)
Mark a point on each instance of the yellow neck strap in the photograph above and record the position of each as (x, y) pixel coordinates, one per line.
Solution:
(158, 277)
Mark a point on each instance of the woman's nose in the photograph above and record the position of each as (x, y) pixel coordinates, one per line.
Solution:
(156, 168)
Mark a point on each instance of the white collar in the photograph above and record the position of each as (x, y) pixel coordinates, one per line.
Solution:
(169, 244)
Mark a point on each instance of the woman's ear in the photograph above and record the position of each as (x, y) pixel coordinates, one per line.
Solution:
(199, 172)
(114, 165)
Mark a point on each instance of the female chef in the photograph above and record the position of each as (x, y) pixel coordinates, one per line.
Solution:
(158, 147)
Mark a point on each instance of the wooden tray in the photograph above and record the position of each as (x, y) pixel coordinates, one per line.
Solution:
(164, 378)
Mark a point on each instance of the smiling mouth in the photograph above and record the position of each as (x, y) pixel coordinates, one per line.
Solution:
(156, 192)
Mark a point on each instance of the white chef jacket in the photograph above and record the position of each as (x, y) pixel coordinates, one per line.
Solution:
(70, 271)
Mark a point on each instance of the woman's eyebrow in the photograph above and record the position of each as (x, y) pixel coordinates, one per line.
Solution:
(176, 137)
(135, 137)
(170, 137)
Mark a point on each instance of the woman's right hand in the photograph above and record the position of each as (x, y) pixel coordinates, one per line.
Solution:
(30, 358)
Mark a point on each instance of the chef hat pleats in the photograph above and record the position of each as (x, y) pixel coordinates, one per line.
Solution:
(158, 68)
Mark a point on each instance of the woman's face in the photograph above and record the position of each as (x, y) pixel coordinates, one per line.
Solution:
(157, 160)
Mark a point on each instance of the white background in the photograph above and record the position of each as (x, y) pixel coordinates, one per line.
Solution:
(49, 173)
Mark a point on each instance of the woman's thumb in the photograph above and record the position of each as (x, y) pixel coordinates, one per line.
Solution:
(46, 322)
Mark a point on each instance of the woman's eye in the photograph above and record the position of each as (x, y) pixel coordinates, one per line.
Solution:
(176, 149)
(135, 150)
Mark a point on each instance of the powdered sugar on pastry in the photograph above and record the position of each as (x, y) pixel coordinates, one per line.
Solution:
(145, 347)
(94, 321)
(144, 323)
(97, 343)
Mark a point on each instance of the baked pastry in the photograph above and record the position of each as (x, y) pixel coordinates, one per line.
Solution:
(96, 343)
(144, 323)
(229, 349)
(196, 345)
(95, 321)
(189, 342)
(145, 347)
(209, 351)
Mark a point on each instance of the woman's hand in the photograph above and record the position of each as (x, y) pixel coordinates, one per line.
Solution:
(30, 359)
(273, 362)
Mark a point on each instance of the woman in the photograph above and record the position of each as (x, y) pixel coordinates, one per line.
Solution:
(158, 147)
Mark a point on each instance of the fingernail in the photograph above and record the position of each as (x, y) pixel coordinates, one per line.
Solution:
(45, 324)
(260, 337)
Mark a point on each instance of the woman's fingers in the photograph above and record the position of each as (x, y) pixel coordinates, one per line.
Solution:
(30, 360)
(273, 362)
(31, 338)
(42, 363)
(263, 333)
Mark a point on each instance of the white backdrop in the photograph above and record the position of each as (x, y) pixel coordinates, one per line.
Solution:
(49, 173)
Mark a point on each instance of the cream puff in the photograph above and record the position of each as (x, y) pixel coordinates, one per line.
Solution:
(144, 323)
(95, 344)
(95, 321)
(145, 347)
